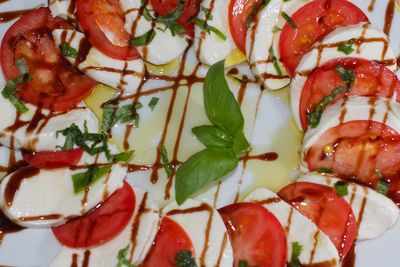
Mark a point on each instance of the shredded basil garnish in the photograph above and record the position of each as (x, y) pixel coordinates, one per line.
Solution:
(383, 185)
(243, 263)
(153, 102)
(276, 29)
(112, 114)
(123, 258)
(275, 61)
(206, 27)
(207, 12)
(325, 171)
(289, 20)
(68, 51)
(346, 48)
(296, 252)
(341, 188)
(165, 161)
(184, 259)
(144, 39)
(251, 16)
(90, 176)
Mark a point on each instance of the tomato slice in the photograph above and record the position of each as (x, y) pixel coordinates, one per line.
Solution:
(102, 20)
(101, 224)
(332, 214)
(170, 240)
(371, 79)
(191, 8)
(239, 12)
(360, 147)
(256, 235)
(53, 159)
(314, 21)
(54, 83)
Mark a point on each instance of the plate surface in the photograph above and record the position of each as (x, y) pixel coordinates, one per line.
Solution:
(268, 126)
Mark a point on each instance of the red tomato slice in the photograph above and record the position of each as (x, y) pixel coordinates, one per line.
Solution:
(170, 240)
(54, 83)
(191, 8)
(239, 12)
(53, 159)
(256, 235)
(360, 147)
(371, 79)
(332, 214)
(102, 20)
(101, 224)
(314, 21)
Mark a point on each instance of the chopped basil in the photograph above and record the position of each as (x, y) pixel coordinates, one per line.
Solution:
(346, 48)
(144, 39)
(85, 179)
(147, 15)
(124, 156)
(153, 102)
(207, 12)
(378, 172)
(173, 15)
(207, 28)
(325, 171)
(275, 61)
(22, 66)
(347, 75)
(341, 188)
(264, 4)
(165, 161)
(251, 16)
(243, 263)
(289, 20)
(112, 114)
(224, 140)
(296, 252)
(276, 29)
(184, 259)
(68, 51)
(122, 258)
(383, 187)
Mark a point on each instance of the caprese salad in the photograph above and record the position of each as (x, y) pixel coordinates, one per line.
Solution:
(64, 172)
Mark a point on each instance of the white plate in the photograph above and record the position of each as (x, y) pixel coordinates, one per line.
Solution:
(272, 131)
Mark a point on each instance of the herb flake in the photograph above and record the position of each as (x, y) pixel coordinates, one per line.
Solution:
(83, 180)
(296, 252)
(207, 28)
(289, 20)
(153, 102)
(165, 161)
(122, 258)
(341, 188)
(275, 61)
(184, 259)
(346, 48)
(68, 51)
(144, 39)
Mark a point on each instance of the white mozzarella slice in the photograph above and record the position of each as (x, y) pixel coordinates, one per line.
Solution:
(42, 135)
(62, 8)
(165, 47)
(138, 235)
(354, 108)
(374, 212)
(374, 46)
(125, 75)
(259, 41)
(206, 230)
(209, 47)
(317, 247)
(43, 198)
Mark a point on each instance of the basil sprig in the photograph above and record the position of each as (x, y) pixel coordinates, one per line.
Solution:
(90, 176)
(10, 90)
(113, 114)
(184, 258)
(224, 140)
(144, 39)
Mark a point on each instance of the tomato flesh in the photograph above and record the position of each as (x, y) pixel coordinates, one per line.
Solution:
(100, 224)
(239, 12)
(54, 83)
(256, 235)
(360, 147)
(102, 21)
(371, 79)
(53, 160)
(170, 240)
(332, 214)
(191, 8)
(314, 21)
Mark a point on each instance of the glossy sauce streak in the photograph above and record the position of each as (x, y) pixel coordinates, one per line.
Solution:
(11, 15)
(15, 182)
(40, 217)
(136, 224)
(86, 258)
(371, 6)
(7, 226)
(389, 16)
(350, 259)
(74, 262)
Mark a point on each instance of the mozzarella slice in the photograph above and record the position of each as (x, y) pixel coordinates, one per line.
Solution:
(63, 8)
(125, 75)
(317, 247)
(209, 47)
(165, 46)
(374, 46)
(205, 229)
(353, 108)
(24, 132)
(138, 235)
(374, 212)
(44, 198)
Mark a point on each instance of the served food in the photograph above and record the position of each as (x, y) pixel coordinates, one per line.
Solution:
(85, 155)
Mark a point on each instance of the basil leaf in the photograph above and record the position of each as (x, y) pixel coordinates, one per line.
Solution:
(10, 93)
(86, 179)
(202, 24)
(68, 51)
(165, 161)
(144, 39)
(276, 29)
(296, 252)
(325, 171)
(347, 75)
(383, 187)
(251, 16)
(184, 259)
(264, 4)
(22, 66)
(220, 104)
(174, 15)
(123, 258)
(341, 188)
(201, 169)
(212, 136)
(153, 102)
(346, 48)
(207, 12)
(243, 263)
(289, 20)
(109, 110)
(240, 144)
(275, 61)
(124, 156)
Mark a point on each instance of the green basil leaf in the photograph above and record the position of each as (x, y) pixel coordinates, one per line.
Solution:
(86, 179)
(325, 171)
(124, 156)
(184, 258)
(240, 144)
(68, 51)
(275, 61)
(289, 20)
(296, 252)
(201, 169)
(22, 66)
(212, 136)
(123, 258)
(348, 75)
(264, 4)
(207, 12)
(221, 107)
(174, 15)
(202, 24)
(346, 48)
(243, 263)
(10, 93)
(144, 39)
(383, 187)
(153, 102)
(341, 188)
(165, 161)
(251, 16)
(109, 110)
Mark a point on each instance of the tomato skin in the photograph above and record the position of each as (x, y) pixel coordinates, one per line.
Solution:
(314, 21)
(191, 8)
(371, 79)
(55, 85)
(256, 235)
(239, 11)
(170, 239)
(332, 214)
(53, 159)
(100, 224)
(96, 37)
